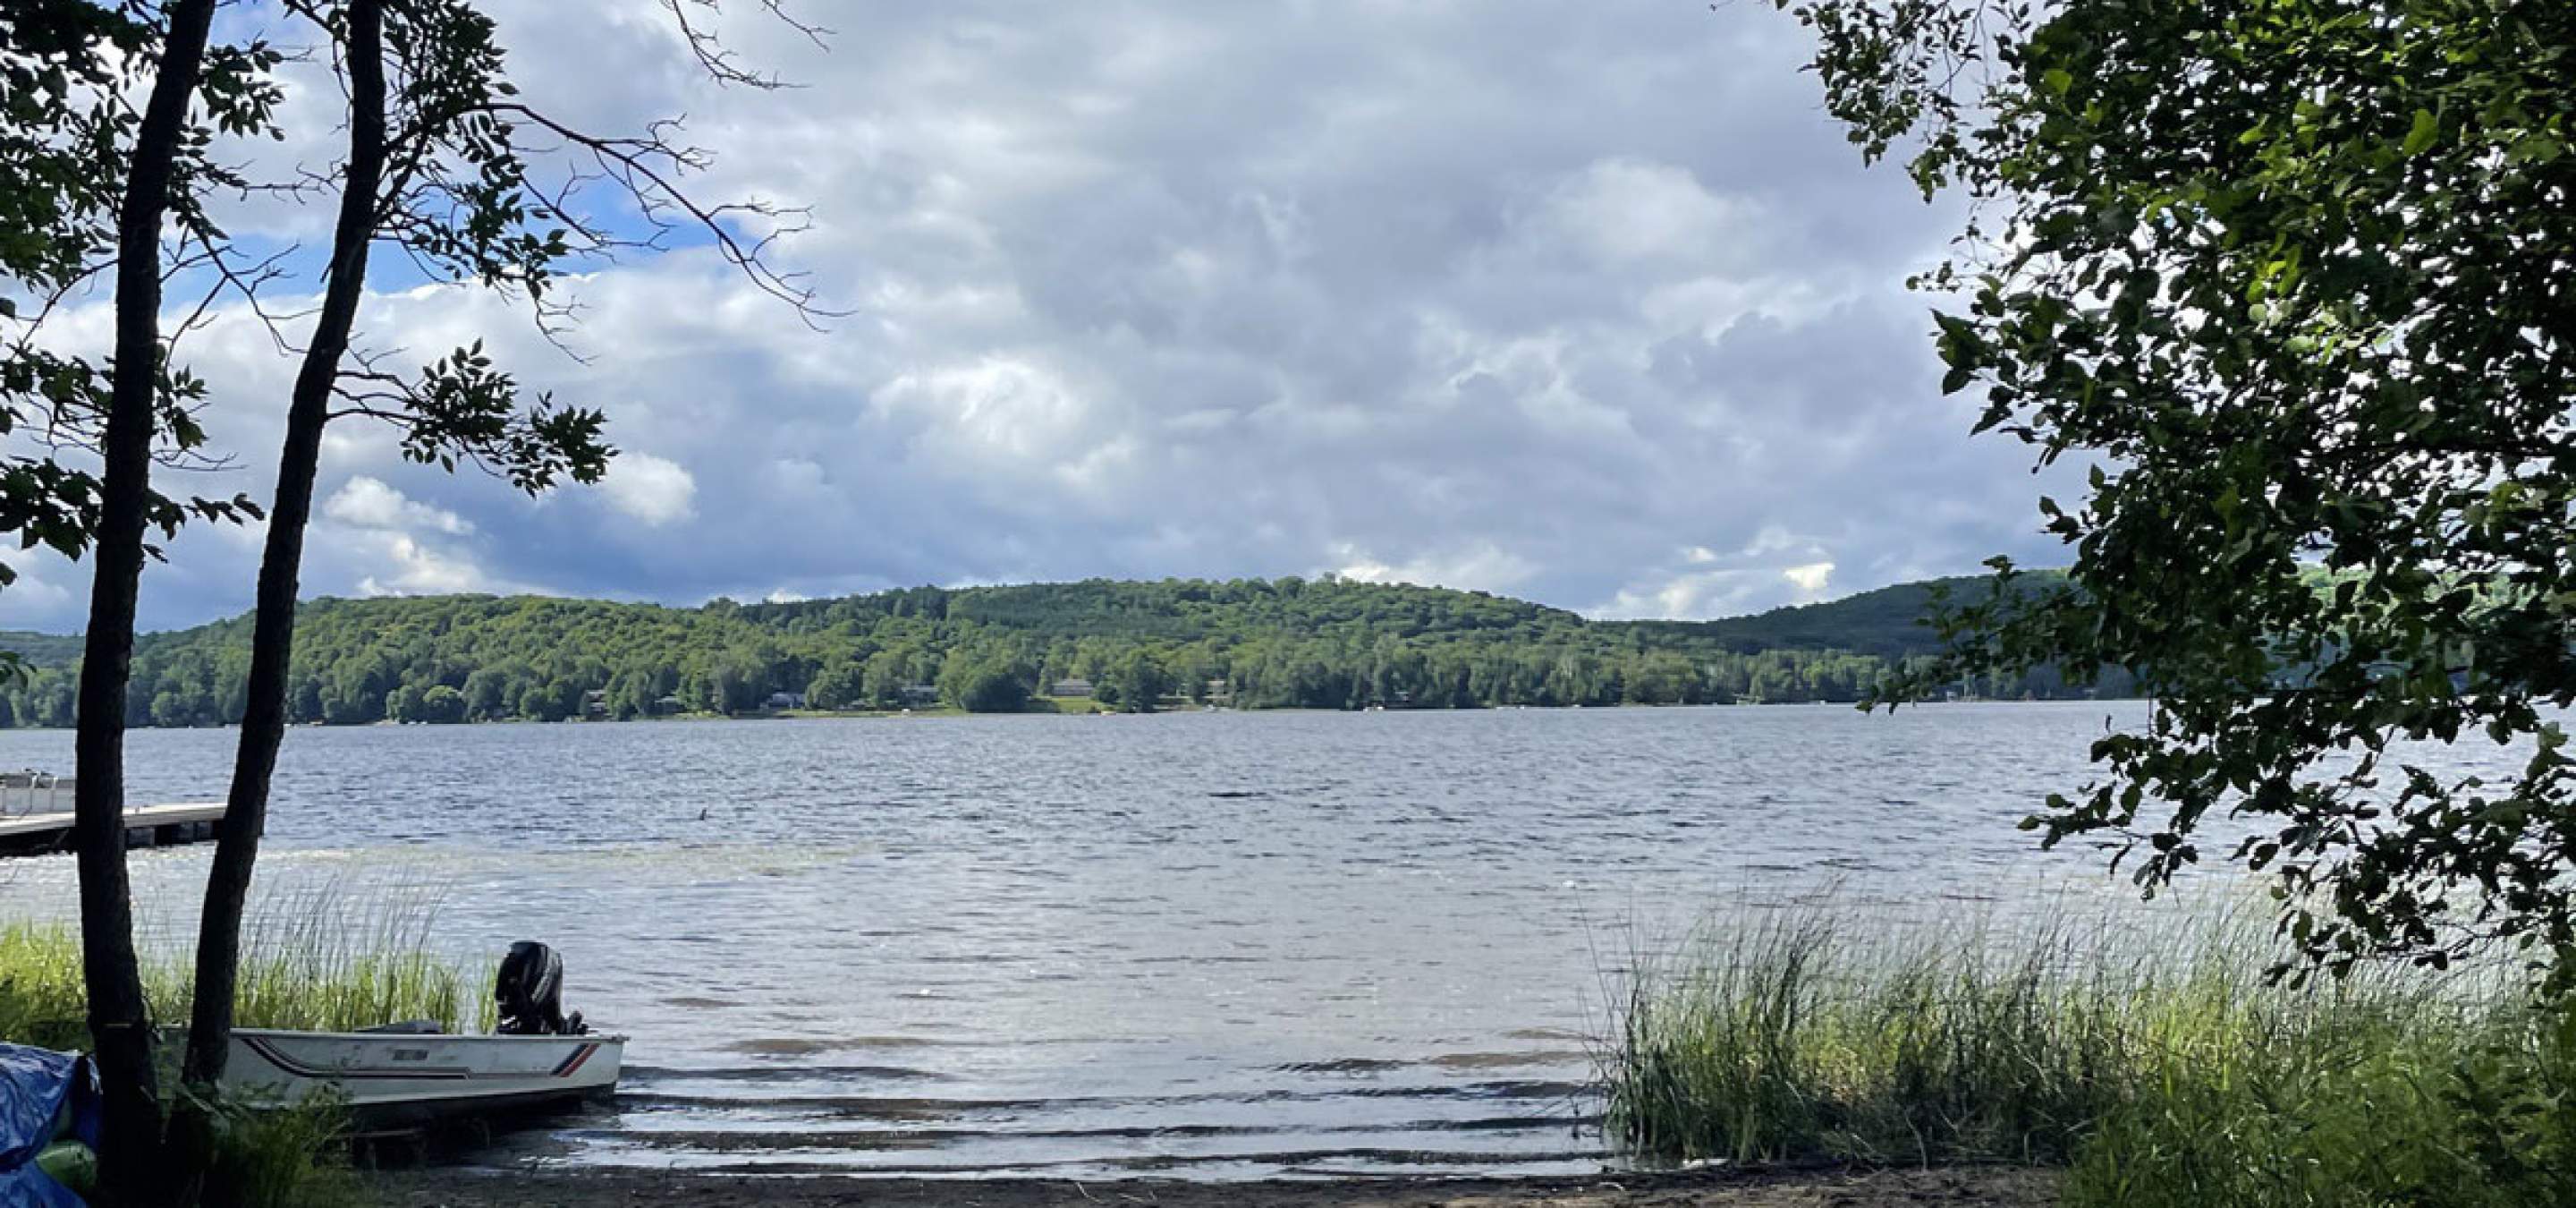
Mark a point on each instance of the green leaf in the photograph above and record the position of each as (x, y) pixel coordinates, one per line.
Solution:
(2427, 128)
(2538, 148)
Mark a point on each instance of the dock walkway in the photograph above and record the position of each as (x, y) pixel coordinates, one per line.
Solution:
(36, 817)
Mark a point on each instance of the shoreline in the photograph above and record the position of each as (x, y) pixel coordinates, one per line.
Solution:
(1728, 1187)
(945, 712)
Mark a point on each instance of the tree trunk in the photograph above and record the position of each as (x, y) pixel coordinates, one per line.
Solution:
(263, 725)
(119, 1022)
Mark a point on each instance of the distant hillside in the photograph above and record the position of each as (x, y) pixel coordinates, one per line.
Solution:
(41, 649)
(1247, 643)
(1886, 623)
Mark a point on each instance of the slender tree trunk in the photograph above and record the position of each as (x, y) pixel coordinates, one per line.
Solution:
(263, 725)
(120, 1024)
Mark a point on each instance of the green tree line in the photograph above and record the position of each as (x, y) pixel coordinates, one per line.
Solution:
(1260, 644)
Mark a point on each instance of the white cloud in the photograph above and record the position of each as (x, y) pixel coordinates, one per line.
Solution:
(388, 544)
(364, 502)
(30, 596)
(1481, 567)
(418, 570)
(1703, 583)
(1683, 597)
(1003, 418)
(655, 490)
(1624, 210)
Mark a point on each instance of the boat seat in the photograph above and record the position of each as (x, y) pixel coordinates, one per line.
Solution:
(408, 1027)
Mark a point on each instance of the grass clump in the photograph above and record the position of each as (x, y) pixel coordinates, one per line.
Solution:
(290, 1156)
(319, 959)
(43, 998)
(315, 960)
(2157, 1066)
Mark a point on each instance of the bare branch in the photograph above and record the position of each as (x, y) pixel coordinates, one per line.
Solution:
(718, 61)
(649, 167)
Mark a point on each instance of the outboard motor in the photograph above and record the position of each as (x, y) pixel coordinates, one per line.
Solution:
(530, 993)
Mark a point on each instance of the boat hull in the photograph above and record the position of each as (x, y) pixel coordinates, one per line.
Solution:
(391, 1080)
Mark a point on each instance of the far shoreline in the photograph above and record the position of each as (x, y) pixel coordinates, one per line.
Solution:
(944, 712)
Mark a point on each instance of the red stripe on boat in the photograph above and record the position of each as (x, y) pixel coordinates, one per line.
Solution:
(575, 1061)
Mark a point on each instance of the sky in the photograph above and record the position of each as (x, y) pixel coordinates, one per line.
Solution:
(1585, 303)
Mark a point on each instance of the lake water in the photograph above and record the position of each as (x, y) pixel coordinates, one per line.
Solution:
(1208, 945)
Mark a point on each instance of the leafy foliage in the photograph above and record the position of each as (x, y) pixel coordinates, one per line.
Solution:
(2291, 277)
(1325, 644)
(67, 125)
(461, 194)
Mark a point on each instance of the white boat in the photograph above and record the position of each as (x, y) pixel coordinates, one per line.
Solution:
(405, 1075)
(394, 1079)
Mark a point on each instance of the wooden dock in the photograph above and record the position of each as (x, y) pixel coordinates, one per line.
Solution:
(145, 826)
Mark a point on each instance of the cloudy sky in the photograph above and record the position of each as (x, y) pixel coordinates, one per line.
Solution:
(1581, 302)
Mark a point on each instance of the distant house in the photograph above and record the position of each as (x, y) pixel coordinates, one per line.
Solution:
(1074, 687)
(786, 700)
(594, 703)
(1218, 692)
(920, 694)
(663, 706)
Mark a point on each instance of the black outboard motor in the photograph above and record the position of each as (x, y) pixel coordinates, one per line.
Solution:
(530, 993)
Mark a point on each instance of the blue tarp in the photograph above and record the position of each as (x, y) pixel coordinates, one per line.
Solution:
(41, 1092)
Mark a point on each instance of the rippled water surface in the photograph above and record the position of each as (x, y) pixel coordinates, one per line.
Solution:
(1211, 945)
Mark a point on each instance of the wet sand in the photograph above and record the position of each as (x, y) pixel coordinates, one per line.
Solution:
(1998, 1187)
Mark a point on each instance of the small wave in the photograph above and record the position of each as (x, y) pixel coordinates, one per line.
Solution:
(1343, 1065)
(1500, 1061)
(783, 1073)
(854, 1106)
(802, 1046)
(644, 1095)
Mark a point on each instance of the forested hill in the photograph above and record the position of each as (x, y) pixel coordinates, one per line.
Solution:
(41, 649)
(1887, 623)
(1247, 643)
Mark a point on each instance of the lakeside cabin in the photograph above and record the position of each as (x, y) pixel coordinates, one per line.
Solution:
(1071, 688)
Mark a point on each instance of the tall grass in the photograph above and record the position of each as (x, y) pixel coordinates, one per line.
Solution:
(2159, 1066)
(311, 959)
(41, 992)
(318, 957)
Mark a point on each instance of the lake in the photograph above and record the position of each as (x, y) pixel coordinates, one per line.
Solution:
(1208, 945)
